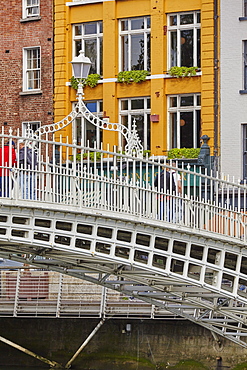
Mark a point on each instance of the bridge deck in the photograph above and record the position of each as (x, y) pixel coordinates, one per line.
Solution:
(100, 217)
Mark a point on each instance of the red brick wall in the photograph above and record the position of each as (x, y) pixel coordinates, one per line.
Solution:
(16, 34)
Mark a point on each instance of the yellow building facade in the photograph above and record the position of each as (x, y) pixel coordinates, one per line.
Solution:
(153, 35)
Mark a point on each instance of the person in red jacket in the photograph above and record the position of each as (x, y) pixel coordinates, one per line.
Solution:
(7, 161)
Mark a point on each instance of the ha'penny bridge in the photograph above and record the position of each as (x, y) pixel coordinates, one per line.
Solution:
(95, 218)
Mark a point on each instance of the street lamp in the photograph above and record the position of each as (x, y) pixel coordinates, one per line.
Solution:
(81, 66)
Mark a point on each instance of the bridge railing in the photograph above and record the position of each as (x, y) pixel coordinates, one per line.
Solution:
(29, 292)
(84, 177)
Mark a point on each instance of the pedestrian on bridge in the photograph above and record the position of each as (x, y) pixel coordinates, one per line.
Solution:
(7, 161)
(165, 184)
(27, 160)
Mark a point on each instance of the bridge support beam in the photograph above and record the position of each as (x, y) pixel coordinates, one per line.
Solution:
(53, 364)
(68, 365)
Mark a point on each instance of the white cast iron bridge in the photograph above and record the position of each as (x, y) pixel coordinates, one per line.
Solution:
(96, 215)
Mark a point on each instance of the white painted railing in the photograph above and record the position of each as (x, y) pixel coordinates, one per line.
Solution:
(84, 177)
(28, 292)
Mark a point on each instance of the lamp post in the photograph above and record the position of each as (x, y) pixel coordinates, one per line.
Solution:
(81, 66)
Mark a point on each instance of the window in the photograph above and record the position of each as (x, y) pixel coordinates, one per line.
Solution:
(184, 121)
(245, 65)
(30, 8)
(29, 127)
(245, 151)
(245, 8)
(184, 30)
(136, 110)
(86, 133)
(135, 44)
(88, 38)
(31, 69)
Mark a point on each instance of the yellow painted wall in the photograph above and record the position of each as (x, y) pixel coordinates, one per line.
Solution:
(157, 89)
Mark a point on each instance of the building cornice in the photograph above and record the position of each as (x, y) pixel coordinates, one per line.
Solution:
(85, 2)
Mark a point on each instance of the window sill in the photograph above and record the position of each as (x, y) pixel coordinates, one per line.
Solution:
(242, 92)
(30, 19)
(31, 92)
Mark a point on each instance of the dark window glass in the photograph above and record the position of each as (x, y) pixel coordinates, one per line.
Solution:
(245, 151)
(245, 65)
(137, 104)
(187, 48)
(186, 19)
(137, 23)
(90, 28)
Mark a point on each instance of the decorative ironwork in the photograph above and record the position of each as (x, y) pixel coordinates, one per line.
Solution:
(133, 143)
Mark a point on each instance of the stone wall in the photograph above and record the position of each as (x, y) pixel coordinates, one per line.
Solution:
(155, 343)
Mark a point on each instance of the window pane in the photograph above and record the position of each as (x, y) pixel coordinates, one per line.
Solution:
(101, 57)
(78, 30)
(245, 151)
(78, 47)
(245, 65)
(173, 20)
(187, 48)
(92, 106)
(137, 104)
(91, 53)
(148, 132)
(101, 27)
(148, 52)
(198, 127)
(139, 121)
(198, 48)
(148, 103)
(187, 101)
(148, 22)
(125, 44)
(186, 130)
(137, 23)
(173, 101)
(90, 28)
(137, 52)
(90, 134)
(174, 49)
(245, 8)
(124, 25)
(198, 17)
(198, 100)
(173, 119)
(186, 19)
(124, 104)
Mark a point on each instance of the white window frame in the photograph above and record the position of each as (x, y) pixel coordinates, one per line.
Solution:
(83, 37)
(30, 127)
(135, 112)
(98, 113)
(179, 109)
(179, 28)
(245, 63)
(28, 8)
(129, 32)
(29, 71)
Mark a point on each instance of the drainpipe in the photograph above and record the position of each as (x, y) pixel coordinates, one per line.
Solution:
(216, 85)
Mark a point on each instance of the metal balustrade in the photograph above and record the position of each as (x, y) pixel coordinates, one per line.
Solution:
(97, 179)
(28, 292)
(97, 215)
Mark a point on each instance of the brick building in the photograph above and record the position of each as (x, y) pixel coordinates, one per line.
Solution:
(26, 64)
